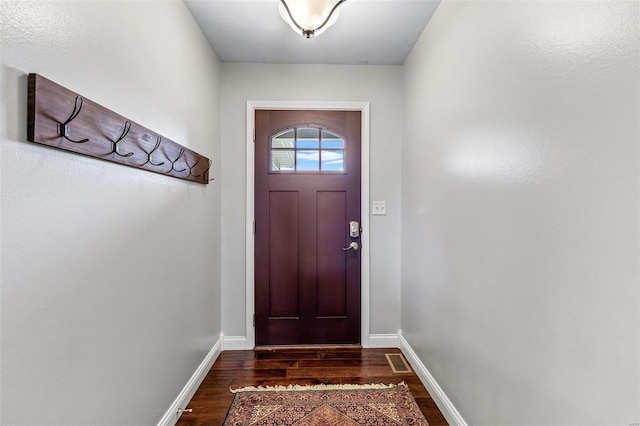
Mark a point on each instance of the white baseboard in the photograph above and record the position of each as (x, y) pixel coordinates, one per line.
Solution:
(235, 343)
(384, 341)
(171, 416)
(439, 397)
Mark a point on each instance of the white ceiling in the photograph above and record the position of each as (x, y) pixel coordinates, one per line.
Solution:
(380, 32)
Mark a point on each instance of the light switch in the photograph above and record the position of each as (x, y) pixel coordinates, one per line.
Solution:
(379, 208)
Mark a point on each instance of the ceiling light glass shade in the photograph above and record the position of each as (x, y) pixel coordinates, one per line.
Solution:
(310, 17)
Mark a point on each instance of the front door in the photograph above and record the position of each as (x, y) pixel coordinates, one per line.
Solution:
(307, 233)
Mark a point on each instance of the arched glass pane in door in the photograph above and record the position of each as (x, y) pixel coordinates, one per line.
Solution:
(307, 149)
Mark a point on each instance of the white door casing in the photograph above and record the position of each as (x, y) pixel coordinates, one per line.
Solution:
(252, 106)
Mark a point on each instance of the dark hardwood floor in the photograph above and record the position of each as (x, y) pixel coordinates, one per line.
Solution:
(236, 369)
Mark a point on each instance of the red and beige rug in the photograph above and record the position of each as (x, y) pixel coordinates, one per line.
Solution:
(325, 405)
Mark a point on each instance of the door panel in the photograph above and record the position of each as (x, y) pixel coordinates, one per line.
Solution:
(283, 250)
(307, 191)
(332, 280)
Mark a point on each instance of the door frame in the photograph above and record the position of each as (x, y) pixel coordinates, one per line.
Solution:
(251, 108)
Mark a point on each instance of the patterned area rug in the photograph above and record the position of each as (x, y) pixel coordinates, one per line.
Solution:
(325, 405)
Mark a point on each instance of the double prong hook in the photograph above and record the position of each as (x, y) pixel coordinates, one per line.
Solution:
(173, 163)
(159, 141)
(207, 169)
(194, 166)
(114, 145)
(63, 128)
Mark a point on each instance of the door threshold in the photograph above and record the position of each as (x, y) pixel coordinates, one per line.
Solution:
(313, 347)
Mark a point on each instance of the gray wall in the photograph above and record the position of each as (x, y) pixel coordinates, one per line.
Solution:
(379, 85)
(110, 275)
(520, 210)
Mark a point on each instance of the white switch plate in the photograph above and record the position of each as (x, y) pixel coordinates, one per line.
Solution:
(379, 208)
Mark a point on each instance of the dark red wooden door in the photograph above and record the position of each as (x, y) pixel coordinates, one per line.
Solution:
(307, 287)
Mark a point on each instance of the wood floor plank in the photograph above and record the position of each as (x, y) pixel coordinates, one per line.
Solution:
(236, 369)
(261, 364)
(336, 372)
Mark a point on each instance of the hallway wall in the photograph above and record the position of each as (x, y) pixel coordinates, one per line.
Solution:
(110, 280)
(379, 85)
(520, 207)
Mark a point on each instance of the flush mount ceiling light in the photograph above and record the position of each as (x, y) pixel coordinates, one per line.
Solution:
(310, 17)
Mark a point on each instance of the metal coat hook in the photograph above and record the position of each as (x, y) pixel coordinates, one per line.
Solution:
(207, 169)
(63, 128)
(114, 145)
(159, 141)
(194, 166)
(173, 163)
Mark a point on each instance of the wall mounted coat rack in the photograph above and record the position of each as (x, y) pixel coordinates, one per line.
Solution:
(63, 119)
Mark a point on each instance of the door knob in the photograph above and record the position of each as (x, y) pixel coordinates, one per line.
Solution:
(353, 246)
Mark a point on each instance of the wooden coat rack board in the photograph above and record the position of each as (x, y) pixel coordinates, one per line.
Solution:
(63, 119)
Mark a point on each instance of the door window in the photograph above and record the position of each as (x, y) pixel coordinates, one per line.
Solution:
(307, 149)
